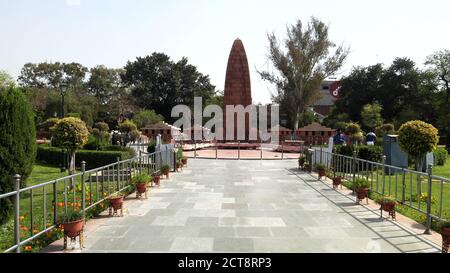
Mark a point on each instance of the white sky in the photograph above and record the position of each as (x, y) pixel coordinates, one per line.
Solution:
(111, 32)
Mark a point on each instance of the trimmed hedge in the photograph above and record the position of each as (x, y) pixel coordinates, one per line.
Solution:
(93, 159)
(440, 156)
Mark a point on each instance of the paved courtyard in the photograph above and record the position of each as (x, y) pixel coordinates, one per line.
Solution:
(248, 206)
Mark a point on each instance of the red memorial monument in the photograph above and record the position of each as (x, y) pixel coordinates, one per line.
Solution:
(237, 87)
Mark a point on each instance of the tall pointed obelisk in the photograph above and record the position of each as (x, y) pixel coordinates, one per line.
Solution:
(237, 85)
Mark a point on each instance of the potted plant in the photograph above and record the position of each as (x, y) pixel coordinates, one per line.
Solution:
(445, 231)
(301, 162)
(179, 165)
(184, 160)
(116, 203)
(141, 181)
(387, 204)
(165, 169)
(337, 181)
(362, 187)
(72, 223)
(156, 178)
(307, 167)
(321, 170)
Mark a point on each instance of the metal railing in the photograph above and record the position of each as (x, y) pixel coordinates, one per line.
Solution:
(422, 192)
(84, 191)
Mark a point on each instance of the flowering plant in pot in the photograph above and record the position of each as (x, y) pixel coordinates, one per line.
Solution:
(337, 181)
(156, 178)
(116, 203)
(301, 161)
(165, 169)
(184, 160)
(445, 231)
(179, 165)
(361, 187)
(72, 223)
(141, 181)
(321, 170)
(387, 204)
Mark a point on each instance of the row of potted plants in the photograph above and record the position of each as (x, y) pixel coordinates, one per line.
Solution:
(387, 203)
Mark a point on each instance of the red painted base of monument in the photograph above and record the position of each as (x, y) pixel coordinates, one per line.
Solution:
(235, 145)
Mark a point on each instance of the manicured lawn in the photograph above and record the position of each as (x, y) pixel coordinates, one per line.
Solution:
(443, 170)
(42, 173)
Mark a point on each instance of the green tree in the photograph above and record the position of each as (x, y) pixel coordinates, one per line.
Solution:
(17, 143)
(6, 79)
(353, 130)
(71, 134)
(302, 68)
(417, 138)
(146, 117)
(159, 84)
(439, 64)
(371, 116)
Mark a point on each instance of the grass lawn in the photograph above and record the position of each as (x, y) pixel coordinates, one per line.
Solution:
(443, 171)
(68, 195)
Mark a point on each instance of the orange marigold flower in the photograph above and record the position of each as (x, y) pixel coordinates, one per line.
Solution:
(28, 248)
(21, 218)
(25, 228)
(60, 204)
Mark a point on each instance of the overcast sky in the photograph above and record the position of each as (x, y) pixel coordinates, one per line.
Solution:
(111, 32)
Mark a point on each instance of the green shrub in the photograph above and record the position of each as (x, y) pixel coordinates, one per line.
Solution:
(385, 199)
(370, 153)
(320, 167)
(70, 216)
(440, 156)
(93, 159)
(112, 148)
(165, 168)
(417, 138)
(343, 150)
(141, 179)
(361, 183)
(17, 143)
(151, 146)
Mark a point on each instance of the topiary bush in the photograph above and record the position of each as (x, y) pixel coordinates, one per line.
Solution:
(17, 143)
(70, 134)
(417, 138)
(440, 156)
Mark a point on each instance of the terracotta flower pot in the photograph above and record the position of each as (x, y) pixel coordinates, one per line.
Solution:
(362, 193)
(388, 206)
(322, 174)
(446, 235)
(116, 203)
(73, 229)
(156, 179)
(166, 174)
(337, 181)
(141, 188)
(184, 161)
(179, 165)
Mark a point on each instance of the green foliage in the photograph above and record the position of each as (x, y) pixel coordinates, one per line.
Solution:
(353, 130)
(48, 124)
(141, 179)
(346, 150)
(361, 183)
(320, 167)
(165, 168)
(371, 116)
(445, 223)
(302, 159)
(127, 126)
(385, 199)
(440, 156)
(94, 159)
(70, 134)
(6, 80)
(385, 129)
(147, 117)
(159, 83)
(309, 58)
(370, 153)
(151, 146)
(418, 138)
(17, 143)
(102, 126)
(70, 216)
(179, 154)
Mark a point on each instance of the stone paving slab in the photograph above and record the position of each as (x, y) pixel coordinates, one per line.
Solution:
(247, 206)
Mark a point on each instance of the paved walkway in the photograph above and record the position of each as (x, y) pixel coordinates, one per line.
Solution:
(247, 206)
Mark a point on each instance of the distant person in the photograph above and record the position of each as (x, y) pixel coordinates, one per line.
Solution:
(339, 138)
(371, 139)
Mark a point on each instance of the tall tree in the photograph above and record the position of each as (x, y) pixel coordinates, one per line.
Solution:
(371, 116)
(439, 64)
(6, 79)
(159, 84)
(302, 68)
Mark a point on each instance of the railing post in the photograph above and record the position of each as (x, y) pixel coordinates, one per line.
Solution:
(217, 155)
(321, 154)
(355, 153)
(195, 149)
(83, 188)
(260, 150)
(383, 179)
(429, 199)
(174, 161)
(139, 162)
(282, 150)
(403, 186)
(17, 212)
(239, 150)
(118, 173)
